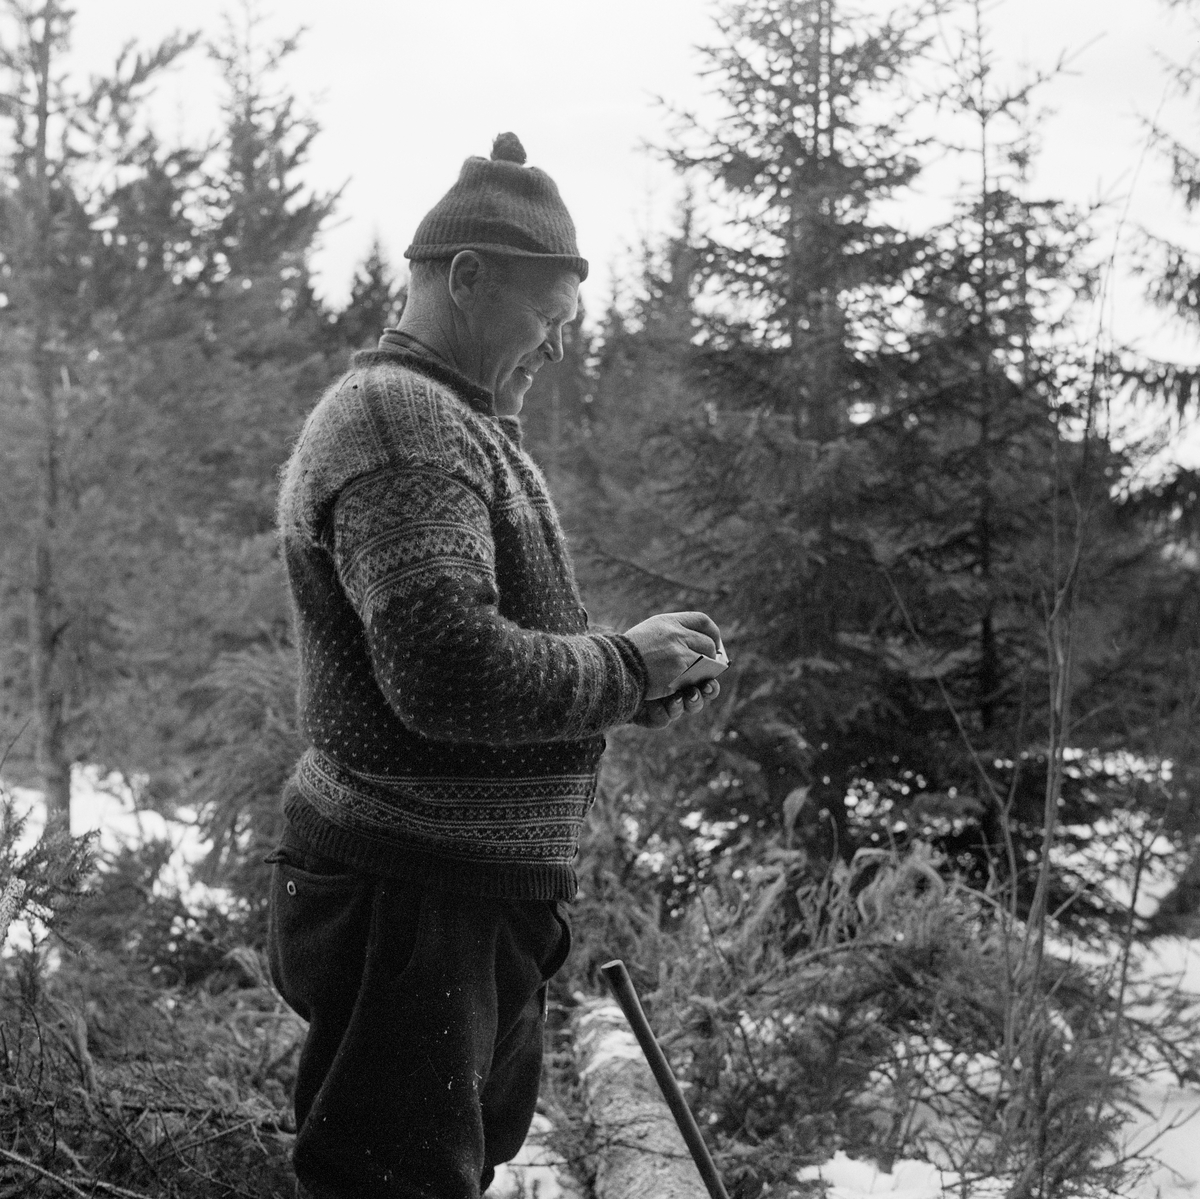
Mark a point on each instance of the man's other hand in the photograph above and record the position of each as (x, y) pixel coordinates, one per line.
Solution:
(669, 644)
(658, 713)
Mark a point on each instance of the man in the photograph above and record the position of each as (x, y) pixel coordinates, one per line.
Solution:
(455, 703)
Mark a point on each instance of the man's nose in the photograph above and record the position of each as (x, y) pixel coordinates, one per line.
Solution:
(552, 347)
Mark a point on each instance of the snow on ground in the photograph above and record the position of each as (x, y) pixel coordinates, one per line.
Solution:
(1168, 1129)
(537, 1172)
(849, 1179)
(1174, 1119)
(616, 1043)
(105, 805)
(1172, 959)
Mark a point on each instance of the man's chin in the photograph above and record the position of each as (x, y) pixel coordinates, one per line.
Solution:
(510, 399)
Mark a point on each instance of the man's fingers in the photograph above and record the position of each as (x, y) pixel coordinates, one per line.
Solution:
(659, 713)
(699, 643)
(665, 711)
(702, 623)
(655, 716)
(701, 633)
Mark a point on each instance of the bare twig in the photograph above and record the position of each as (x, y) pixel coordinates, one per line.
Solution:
(9, 747)
(745, 1037)
(34, 1168)
(950, 705)
(618, 560)
(216, 1136)
(1144, 846)
(111, 1188)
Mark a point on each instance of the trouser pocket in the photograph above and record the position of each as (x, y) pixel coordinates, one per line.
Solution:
(317, 934)
(559, 955)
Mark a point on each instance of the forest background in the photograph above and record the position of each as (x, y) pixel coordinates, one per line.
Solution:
(934, 500)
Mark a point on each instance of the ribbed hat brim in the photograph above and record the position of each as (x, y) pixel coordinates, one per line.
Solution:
(569, 262)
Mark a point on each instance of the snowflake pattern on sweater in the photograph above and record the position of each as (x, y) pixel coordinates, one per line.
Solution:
(453, 696)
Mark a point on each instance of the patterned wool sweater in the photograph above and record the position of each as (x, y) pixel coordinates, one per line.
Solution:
(451, 692)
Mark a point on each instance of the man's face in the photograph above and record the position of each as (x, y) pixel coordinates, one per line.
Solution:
(518, 326)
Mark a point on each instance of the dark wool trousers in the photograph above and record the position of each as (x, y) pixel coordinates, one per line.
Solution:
(426, 1013)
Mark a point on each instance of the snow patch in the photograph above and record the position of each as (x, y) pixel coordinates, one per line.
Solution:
(613, 1044)
(1169, 1130)
(537, 1172)
(849, 1179)
(105, 804)
(1167, 1127)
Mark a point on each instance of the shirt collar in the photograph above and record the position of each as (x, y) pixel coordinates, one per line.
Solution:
(418, 356)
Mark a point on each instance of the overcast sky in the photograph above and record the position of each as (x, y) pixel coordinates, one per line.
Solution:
(404, 91)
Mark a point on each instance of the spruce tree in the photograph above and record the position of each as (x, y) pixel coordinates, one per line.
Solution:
(1172, 268)
(89, 233)
(376, 302)
(229, 373)
(774, 324)
(185, 349)
(1162, 700)
(900, 555)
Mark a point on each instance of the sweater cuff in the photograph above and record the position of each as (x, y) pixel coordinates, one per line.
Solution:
(631, 656)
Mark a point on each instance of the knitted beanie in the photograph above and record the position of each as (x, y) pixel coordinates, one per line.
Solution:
(500, 206)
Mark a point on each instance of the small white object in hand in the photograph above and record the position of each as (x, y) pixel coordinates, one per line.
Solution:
(703, 669)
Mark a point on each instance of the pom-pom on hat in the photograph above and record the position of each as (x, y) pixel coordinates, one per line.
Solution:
(500, 206)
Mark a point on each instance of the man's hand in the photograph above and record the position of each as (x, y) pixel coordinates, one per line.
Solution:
(659, 713)
(669, 644)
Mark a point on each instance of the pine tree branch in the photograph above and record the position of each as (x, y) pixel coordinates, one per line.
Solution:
(617, 560)
(9, 747)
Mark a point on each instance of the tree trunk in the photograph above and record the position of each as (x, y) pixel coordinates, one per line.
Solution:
(640, 1150)
(51, 756)
(44, 631)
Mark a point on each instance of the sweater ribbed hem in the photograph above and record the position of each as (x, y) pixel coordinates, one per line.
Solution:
(368, 856)
(515, 821)
(373, 847)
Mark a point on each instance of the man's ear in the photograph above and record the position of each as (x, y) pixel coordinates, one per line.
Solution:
(466, 274)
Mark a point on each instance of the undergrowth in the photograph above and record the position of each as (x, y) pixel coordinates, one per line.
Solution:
(884, 1009)
(880, 1007)
(143, 1051)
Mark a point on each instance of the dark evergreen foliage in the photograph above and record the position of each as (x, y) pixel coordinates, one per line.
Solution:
(376, 303)
(183, 348)
(898, 553)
